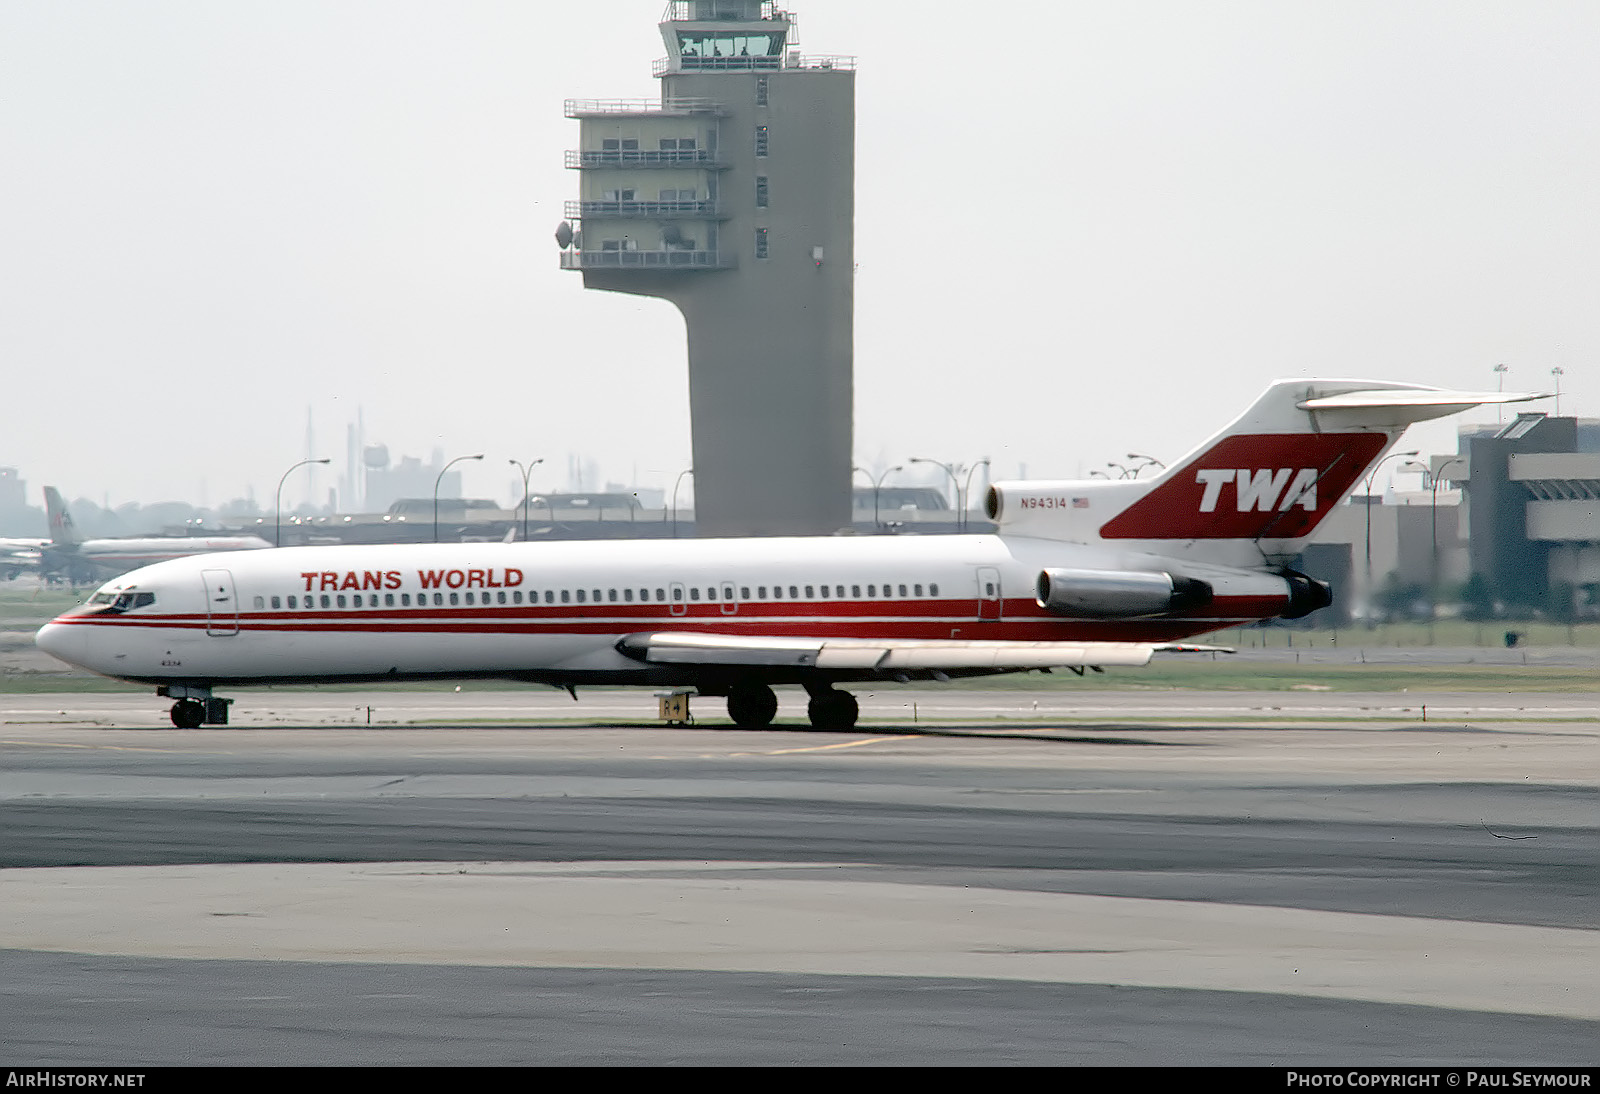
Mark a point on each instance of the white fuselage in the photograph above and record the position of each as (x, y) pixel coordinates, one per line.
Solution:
(555, 611)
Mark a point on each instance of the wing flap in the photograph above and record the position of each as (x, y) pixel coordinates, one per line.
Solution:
(895, 655)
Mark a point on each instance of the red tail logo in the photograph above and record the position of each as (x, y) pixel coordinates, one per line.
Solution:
(1249, 486)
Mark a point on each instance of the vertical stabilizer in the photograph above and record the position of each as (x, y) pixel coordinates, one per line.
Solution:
(62, 531)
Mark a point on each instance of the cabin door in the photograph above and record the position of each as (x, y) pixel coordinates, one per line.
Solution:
(222, 606)
(730, 601)
(990, 602)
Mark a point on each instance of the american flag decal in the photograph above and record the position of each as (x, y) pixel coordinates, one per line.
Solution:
(1080, 503)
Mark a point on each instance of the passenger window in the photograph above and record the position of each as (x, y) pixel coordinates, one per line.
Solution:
(824, 592)
(455, 599)
(293, 603)
(794, 592)
(583, 595)
(661, 594)
(405, 600)
(694, 593)
(933, 590)
(809, 592)
(744, 592)
(470, 599)
(872, 590)
(516, 597)
(341, 600)
(902, 590)
(260, 602)
(611, 595)
(777, 592)
(918, 590)
(438, 600)
(276, 604)
(838, 590)
(327, 601)
(711, 594)
(855, 592)
(501, 597)
(627, 596)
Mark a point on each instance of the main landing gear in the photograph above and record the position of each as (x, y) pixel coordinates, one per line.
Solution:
(833, 709)
(753, 706)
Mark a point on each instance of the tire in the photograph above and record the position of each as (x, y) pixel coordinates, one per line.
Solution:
(752, 706)
(835, 710)
(188, 713)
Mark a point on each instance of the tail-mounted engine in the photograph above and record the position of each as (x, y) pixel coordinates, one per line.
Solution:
(1120, 594)
(1306, 595)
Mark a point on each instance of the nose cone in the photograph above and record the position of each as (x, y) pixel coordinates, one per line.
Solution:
(64, 642)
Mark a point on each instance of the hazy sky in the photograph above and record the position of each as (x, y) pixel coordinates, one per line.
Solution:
(1083, 228)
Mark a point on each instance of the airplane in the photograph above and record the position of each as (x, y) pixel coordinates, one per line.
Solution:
(1080, 575)
(82, 560)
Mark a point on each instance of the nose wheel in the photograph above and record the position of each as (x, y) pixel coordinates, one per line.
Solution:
(833, 709)
(188, 713)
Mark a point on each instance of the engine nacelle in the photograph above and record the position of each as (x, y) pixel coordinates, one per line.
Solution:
(1306, 595)
(1119, 594)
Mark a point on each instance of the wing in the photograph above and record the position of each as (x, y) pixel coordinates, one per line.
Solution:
(888, 655)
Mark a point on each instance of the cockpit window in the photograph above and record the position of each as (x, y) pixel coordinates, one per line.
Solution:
(121, 602)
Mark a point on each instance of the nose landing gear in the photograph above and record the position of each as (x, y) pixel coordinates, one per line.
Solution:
(195, 706)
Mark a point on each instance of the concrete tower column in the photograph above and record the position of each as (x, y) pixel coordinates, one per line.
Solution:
(734, 198)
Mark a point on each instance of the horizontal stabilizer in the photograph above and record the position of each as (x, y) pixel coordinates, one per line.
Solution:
(887, 655)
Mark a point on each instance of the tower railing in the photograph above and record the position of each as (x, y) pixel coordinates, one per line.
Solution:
(667, 67)
(650, 209)
(692, 157)
(644, 260)
(586, 108)
(683, 11)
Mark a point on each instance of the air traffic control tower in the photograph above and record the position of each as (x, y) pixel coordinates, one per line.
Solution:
(733, 197)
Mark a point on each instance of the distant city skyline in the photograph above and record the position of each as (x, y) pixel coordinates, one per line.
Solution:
(1083, 228)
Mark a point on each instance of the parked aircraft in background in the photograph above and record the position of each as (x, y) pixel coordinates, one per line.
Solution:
(80, 560)
(1082, 574)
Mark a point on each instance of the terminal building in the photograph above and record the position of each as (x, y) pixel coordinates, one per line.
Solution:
(733, 196)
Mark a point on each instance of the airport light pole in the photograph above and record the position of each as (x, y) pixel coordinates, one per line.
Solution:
(981, 463)
(1499, 388)
(436, 483)
(1433, 519)
(526, 471)
(1370, 475)
(877, 488)
(676, 483)
(955, 482)
(277, 517)
(1148, 461)
(1558, 372)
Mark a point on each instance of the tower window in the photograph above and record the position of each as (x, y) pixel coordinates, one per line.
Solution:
(761, 90)
(761, 192)
(761, 140)
(761, 243)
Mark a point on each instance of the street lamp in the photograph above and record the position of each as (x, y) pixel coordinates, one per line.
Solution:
(968, 504)
(1433, 519)
(1370, 475)
(436, 483)
(1148, 461)
(676, 483)
(1558, 372)
(526, 471)
(1500, 387)
(955, 482)
(877, 487)
(277, 517)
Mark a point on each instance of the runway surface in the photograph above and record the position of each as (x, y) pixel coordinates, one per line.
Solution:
(1108, 877)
